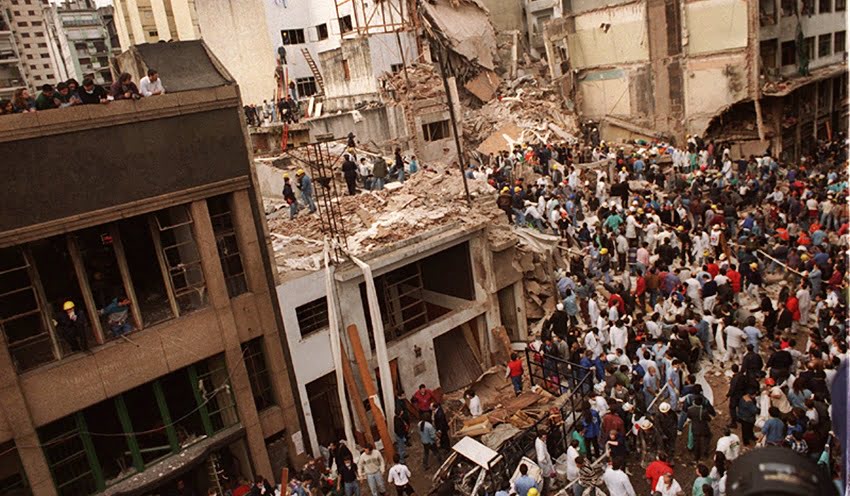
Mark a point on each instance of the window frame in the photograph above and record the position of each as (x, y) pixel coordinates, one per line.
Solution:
(317, 320)
(259, 376)
(287, 35)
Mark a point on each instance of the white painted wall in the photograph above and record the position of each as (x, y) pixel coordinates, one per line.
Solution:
(716, 25)
(625, 41)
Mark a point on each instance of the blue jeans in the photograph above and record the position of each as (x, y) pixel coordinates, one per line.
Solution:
(517, 382)
(401, 176)
(352, 488)
(378, 183)
(293, 210)
(120, 329)
(376, 483)
(307, 198)
(401, 447)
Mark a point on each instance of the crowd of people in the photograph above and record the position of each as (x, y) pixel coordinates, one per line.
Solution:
(683, 263)
(682, 260)
(70, 92)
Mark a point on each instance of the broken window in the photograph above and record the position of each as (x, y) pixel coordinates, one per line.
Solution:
(345, 24)
(825, 6)
(322, 32)
(13, 480)
(767, 51)
(840, 5)
(825, 45)
(809, 46)
(182, 396)
(27, 332)
(839, 89)
(292, 36)
(346, 70)
(312, 316)
(216, 395)
(436, 130)
(60, 286)
(71, 459)
(767, 12)
(808, 7)
(258, 374)
(103, 273)
(840, 41)
(172, 231)
(788, 7)
(228, 246)
(305, 86)
(143, 412)
(109, 441)
(824, 96)
(396, 68)
(143, 263)
(789, 53)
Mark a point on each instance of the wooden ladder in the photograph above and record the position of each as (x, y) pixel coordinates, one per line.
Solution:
(315, 70)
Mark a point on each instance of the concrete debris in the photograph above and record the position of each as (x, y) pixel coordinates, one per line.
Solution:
(484, 85)
(464, 25)
(424, 80)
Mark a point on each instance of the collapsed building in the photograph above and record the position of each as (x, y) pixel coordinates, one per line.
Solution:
(454, 286)
(764, 74)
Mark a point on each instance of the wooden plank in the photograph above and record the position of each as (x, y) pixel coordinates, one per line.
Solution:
(377, 412)
(356, 399)
(121, 257)
(41, 298)
(83, 280)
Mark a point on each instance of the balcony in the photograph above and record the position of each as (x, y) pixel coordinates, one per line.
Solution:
(8, 56)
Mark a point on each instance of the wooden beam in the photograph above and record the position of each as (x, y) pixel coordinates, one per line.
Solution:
(354, 394)
(377, 412)
(83, 281)
(121, 258)
(44, 305)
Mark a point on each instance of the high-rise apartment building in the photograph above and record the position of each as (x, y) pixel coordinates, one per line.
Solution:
(28, 59)
(84, 42)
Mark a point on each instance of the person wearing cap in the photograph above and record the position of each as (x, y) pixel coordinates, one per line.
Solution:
(305, 185)
(72, 324)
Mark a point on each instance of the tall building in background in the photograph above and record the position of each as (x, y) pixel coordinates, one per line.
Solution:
(28, 59)
(107, 16)
(83, 40)
(235, 30)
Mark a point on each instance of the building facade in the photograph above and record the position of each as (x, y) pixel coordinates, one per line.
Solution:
(83, 39)
(234, 30)
(707, 67)
(29, 57)
(175, 368)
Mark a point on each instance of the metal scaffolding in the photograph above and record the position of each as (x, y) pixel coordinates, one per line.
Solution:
(383, 16)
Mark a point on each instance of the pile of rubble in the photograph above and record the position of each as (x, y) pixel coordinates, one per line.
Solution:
(528, 109)
(431, 198)
(424, 81)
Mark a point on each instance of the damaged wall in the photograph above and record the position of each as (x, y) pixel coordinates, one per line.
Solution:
(711, 85)
(609, 37)
(716, 25)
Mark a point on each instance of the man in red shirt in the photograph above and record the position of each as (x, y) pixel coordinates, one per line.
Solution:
(656, 469)
(515, 373)
(734, 278)
(612, 422)
(711, 267)
(422, 400)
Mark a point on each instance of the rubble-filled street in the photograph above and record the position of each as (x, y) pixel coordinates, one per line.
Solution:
(424, 247)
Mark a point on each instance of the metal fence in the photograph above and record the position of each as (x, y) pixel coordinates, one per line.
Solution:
(558, 377)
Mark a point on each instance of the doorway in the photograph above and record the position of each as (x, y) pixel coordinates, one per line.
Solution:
(457, 364)
(325, 408)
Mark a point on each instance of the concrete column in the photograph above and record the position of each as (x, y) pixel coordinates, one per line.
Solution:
(160, 17)
(135, 22)
(220, 301)
(121, 25)
(246, 236)
(484, 283)
(13, 407)
(183, 20)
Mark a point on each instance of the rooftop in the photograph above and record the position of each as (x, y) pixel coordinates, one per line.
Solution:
(430, 203)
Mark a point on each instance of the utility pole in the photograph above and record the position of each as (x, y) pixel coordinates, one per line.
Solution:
(453, 118)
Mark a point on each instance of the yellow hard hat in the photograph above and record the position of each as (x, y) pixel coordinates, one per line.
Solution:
(68, 305)
(603, 251)
(533, 492)
(804, 258)
(517, 189)
(754, 265)
(640, 210)
(624, 169)
(285, 175)
(714, 207)
(680, 228)
(705, 253)
(505, 189)
(300, 172)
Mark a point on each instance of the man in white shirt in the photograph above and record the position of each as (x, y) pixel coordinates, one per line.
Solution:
(736, 340)
(399, 476)
(151, 85)
(474, 403)
(572, 454)
(617, 481)
(729, 445)
(544, 460)
(619, 336)
(668, 486)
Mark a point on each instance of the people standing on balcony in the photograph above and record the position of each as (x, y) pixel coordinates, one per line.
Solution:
(151, 85)
(124, 88)
(73, 325)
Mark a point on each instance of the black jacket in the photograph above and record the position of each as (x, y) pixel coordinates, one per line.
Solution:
(349, 169)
